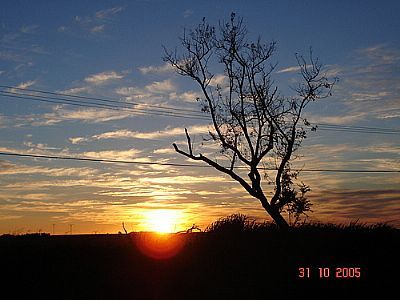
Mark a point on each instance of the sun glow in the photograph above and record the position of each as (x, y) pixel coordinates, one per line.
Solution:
(162, 220)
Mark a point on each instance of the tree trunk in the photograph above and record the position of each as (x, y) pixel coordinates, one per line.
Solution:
(274, 213)
(279, 220)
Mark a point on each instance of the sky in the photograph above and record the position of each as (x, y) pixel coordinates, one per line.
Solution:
(113, 50)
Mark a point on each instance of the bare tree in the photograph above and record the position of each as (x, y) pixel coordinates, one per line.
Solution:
(256, 126)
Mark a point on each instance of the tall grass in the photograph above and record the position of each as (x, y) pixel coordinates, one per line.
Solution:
(240, 223)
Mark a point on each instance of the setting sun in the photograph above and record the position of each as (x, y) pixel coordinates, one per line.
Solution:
(162, 220)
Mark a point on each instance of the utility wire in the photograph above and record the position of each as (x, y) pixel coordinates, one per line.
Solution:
(102, 106)
(157, 110)
(99, 105)
(99, 99)
(181, 165)
(357, 131)
(362, 129)
(358, 127)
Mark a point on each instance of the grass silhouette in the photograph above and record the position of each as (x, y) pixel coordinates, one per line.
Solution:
(235, 258)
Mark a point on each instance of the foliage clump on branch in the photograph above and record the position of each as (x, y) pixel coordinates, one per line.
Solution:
(255, 125)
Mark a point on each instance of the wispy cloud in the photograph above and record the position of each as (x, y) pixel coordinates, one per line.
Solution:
(97, 28)
(166, 68)
(187, 13)
(113, 154)
(107, 13)
(91, 24)
(29, 29)
(77, 90)
(380, 54)
(341, 119)
(103, 77)
(188, 96)
(169, 150)
(370, 86)
(161, 86)
(26, 84)
(365, 205)
(77, 140)
(61, 113)
(156, 92)
(8, 168)
(128, 134)
(21, 48)
(289, 70)
(218, 79)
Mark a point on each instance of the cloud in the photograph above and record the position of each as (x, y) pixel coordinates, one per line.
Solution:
(26, 84)
(368, 96)
(90, 25)
(77, 90)
(8, 168)
(289, 70)
(218, 79)
(189, 96)
(164, 151)
(136, 93)
(328, 70)
(90, 115)
(98, 28)
(31, 29)
(369, 85)
(367, 89)
(91, 83)
(103, 77)
(166, 68)
(156, 93)
(365, 205)
(40, 146)
(394, 115)
(187, 13)
(62, 28)
(77, 140)
(336, 120)
(21, 48)
(112, 154)
(63, 114)
(380, 54)
(161, 87)
(182, 179)
(128, 134)
(107, 13)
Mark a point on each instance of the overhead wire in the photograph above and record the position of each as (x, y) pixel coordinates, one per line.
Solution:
(134, 103)
(180, 165)
(160, 110)
(97, 105)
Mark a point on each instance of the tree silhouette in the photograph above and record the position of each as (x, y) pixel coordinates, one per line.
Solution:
(254, 124)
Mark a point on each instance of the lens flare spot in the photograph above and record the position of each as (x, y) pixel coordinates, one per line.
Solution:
(159, 246)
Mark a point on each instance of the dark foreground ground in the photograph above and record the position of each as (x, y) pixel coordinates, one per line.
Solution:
(260, 265)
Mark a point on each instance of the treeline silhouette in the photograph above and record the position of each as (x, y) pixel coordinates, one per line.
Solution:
(235, 258)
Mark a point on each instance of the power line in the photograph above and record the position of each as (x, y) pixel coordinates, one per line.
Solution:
(96, 105)
(358, 127)
(99, 99)
(158, 109)
(358, 131)
(181, 165)
(99, 105)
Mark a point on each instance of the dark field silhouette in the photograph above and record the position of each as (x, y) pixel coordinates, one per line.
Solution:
(235, 259)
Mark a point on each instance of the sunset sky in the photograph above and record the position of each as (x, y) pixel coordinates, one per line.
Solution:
(113, 50)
